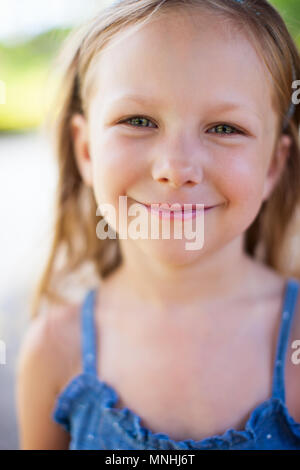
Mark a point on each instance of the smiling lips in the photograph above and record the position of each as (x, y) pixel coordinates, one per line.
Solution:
(163, 210)
(177, 207)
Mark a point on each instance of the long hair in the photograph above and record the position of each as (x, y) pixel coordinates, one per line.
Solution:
(75, 245)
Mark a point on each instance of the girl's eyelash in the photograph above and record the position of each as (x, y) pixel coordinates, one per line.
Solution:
(135, 118)
(221, 125)
(237, 131)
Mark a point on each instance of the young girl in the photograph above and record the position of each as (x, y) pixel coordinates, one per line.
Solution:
(188, 102)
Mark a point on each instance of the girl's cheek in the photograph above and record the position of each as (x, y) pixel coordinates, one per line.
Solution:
(242, 185)
(116, 171)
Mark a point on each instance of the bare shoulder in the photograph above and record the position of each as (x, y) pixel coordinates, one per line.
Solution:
(46, 358)
(63, 330)
(54, 337)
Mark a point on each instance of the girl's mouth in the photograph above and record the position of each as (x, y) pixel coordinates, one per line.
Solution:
(178, 212)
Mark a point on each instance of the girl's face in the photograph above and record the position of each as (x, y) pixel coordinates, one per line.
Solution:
(187, 76)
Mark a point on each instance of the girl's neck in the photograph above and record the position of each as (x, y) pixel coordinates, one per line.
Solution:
(146, 284)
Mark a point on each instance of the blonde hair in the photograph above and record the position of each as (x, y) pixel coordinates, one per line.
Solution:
(75, 242)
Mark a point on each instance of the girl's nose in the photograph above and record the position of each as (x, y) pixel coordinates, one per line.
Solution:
(177, 161)
(177, 179)
(177, 172)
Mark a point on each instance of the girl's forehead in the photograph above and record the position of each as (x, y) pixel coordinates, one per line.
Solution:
(192, 60)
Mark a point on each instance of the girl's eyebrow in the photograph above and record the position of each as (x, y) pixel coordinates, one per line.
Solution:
(135, 98)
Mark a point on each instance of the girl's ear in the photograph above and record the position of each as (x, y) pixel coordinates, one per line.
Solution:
(79, 132)
(278, 162)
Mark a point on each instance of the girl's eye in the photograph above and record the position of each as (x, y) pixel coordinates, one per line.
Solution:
(221, 129)
(225, 129)
(136, 120)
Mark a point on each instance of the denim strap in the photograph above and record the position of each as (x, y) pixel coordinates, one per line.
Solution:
(88, 344)
(290, 300)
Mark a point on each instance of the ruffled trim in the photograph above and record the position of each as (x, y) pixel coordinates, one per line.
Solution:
(129, 422)
(69, 395)
(294, 425)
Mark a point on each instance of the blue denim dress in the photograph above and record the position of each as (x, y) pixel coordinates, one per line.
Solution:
(85, 407)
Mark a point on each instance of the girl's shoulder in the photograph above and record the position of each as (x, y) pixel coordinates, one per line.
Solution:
(64, 331)
(45, 359)
(54, 335)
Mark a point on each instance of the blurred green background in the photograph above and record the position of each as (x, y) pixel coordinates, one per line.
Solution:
(25, 66)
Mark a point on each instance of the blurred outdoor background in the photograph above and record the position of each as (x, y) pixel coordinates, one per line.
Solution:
(31, 32)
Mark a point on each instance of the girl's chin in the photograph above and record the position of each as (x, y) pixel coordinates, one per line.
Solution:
(178, 252)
